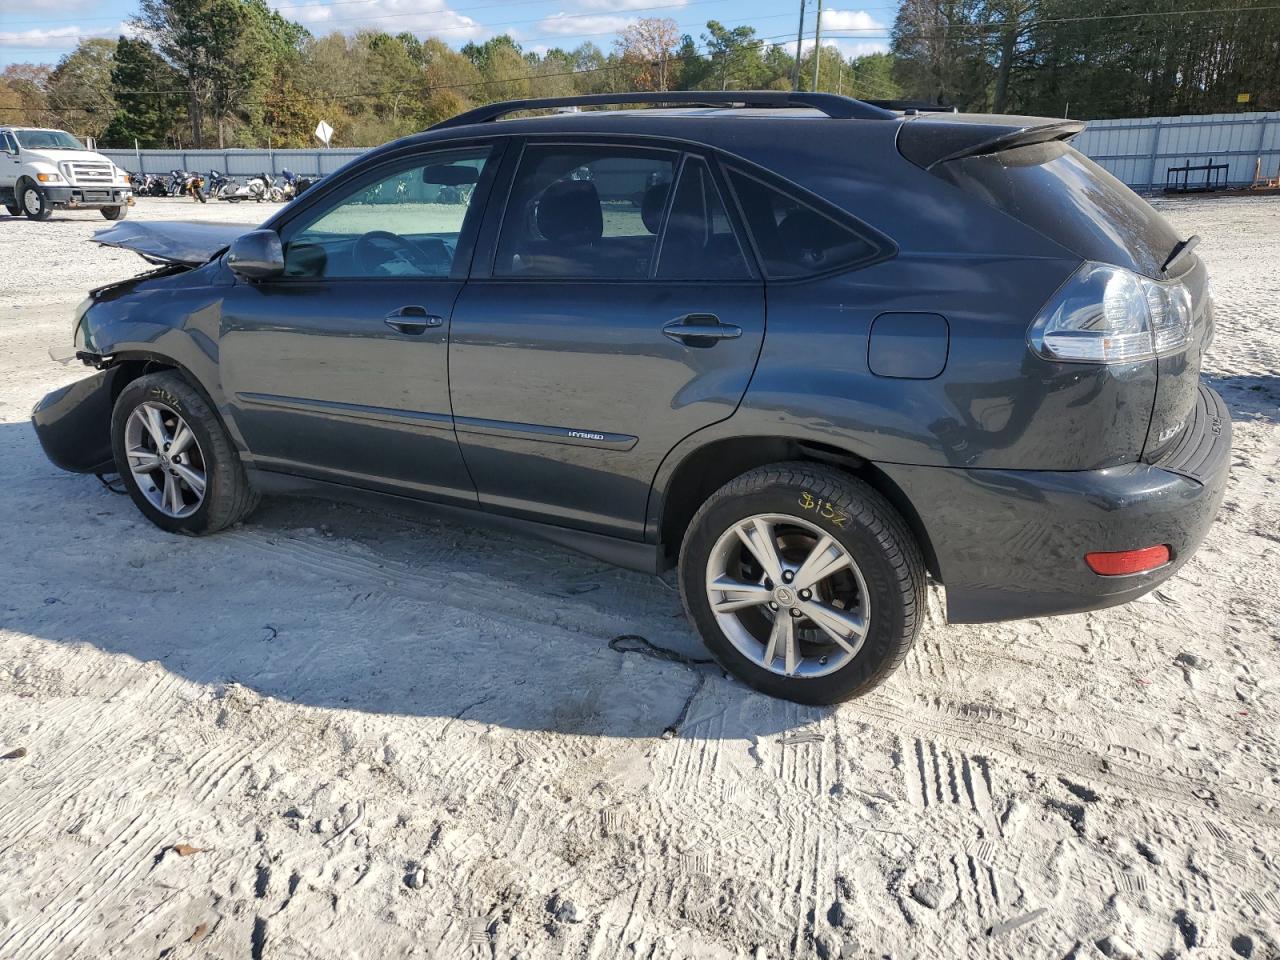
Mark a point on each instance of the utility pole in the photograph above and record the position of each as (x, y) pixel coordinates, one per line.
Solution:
(795, 74)
(817, 46)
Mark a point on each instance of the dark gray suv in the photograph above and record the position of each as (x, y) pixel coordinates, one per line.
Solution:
(810, 349)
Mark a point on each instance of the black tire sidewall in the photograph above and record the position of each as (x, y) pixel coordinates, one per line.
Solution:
(893, 625)
(172, 392)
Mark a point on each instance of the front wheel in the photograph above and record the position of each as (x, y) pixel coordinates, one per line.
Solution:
(804, 582)
(177, 461)
(115, 213)
(34, 203)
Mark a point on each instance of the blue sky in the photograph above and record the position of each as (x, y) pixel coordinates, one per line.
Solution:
(42, 31)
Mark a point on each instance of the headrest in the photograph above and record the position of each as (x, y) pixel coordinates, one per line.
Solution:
(569, 212)
(655, 198)
(806, 234)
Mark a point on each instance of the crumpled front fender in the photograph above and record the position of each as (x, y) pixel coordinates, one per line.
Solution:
(73, 424)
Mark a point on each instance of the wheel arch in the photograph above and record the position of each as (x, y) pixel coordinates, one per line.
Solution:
(703, 470)
(134, 364)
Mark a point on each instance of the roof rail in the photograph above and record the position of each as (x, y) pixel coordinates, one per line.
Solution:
(913, 106)
(836, 107)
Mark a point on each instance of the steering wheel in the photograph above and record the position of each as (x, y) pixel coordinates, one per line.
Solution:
(378, 250)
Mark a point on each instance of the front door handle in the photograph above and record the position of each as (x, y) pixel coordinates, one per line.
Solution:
(412, 320)
(700, 330)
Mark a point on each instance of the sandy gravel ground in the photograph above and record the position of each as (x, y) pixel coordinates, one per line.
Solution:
(332, 733)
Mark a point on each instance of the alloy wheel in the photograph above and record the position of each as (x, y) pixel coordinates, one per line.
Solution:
(788, 595)
(165, 459)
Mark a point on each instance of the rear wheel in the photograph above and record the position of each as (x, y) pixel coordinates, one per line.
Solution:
(176, 459)
(115, 213)
(804, 582)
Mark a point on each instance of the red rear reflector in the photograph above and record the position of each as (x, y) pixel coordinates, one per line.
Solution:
(1121, 562)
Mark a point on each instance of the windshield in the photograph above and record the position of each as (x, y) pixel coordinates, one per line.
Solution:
(47, 140)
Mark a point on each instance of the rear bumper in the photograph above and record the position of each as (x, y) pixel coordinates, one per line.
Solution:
(73, 424)
(1011, 544)
(88, 197)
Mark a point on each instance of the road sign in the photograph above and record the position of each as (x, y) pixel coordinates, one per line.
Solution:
(1242, 98)
(324, 132)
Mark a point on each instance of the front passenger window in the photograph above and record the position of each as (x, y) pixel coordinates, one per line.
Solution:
(404, 225)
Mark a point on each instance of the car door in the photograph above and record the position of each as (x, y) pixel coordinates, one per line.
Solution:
(617, 314)
(339, 368)
(10, 161)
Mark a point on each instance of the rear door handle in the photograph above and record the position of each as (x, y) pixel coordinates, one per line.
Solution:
(412, 320)
(700, 330)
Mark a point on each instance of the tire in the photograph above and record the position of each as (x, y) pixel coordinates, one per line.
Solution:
(227, 497)
(115, 213)
(34, 203)
(801, 503)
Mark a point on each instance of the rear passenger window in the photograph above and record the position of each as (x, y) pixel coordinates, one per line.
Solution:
(589, 213)
(699, 243)
(794, 239)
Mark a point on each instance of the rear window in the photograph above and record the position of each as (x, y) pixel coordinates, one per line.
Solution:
(1058, 191)
(794, 239)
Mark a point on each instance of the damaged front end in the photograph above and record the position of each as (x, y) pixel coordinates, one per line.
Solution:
(73, 423)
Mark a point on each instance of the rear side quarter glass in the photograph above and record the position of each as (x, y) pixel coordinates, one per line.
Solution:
(796, 239)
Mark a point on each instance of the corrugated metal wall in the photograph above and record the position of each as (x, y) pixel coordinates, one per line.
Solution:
(1139, 151)
(238, 163)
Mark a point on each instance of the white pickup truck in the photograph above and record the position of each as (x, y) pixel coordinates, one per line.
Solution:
(41, 170)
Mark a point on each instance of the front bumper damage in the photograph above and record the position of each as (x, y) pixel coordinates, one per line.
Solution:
(73, 424)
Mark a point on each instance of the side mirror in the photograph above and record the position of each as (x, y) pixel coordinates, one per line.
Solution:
(257, 255)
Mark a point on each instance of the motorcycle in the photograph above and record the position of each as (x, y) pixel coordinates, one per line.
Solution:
(258, 188)
(153, 186)
(215, 182)
(193, 186)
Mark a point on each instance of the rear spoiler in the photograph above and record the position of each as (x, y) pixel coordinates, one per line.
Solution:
(930, 140)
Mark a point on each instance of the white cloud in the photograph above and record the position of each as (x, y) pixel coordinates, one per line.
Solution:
(851, 21)
(847, 48)
(567, 25)
(422, 17)
(646, 5)
(58, 37)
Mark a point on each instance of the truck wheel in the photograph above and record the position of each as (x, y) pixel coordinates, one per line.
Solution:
(176, 459)
(803, 581)
(115, 213)
(34, 203)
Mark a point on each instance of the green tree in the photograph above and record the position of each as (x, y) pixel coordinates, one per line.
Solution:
(79, 89)
(148, 96)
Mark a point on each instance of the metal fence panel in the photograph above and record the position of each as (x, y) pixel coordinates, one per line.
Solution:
(237, 163)
(1138, 150)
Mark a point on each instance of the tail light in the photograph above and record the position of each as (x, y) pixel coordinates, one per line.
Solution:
(1120, 563)
(1106, 314)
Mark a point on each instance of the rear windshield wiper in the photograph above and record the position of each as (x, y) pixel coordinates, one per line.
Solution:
(1180, 250)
